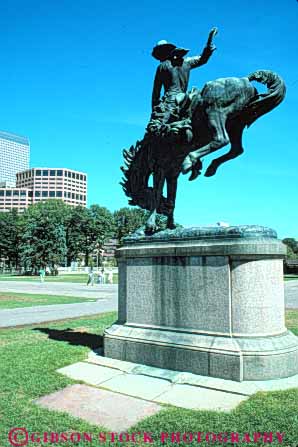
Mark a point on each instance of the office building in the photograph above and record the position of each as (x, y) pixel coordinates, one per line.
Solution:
(55, 183)
(37, 184)
(14, 198)
(14, 156)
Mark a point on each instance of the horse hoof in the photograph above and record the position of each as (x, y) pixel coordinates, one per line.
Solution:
(195, 173)
(171, 226)
(150, 230)
(210, 171)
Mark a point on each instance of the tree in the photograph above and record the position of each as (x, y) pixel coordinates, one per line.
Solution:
(75, 233)
(97, 226)
(292, 247)
(10, 237)
(128, 220)
(44, 238)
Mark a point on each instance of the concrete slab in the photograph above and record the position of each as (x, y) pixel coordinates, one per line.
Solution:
(169, 387)
(138, 386)
(245, 388)
(92, 374)
(100, 407)
(120, 365)
(193, 398)
(277, 385)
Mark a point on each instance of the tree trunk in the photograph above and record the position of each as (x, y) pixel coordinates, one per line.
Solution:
(87, 258)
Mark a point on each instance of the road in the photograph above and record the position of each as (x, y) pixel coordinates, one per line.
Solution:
(106, 296)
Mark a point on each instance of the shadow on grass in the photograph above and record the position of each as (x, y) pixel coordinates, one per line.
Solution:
(92, 341)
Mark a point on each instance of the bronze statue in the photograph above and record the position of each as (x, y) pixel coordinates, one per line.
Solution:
(186, 126)
(173, 75)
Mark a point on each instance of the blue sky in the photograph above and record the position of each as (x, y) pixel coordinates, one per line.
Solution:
(76, 78)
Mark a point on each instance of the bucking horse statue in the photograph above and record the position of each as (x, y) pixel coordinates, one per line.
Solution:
(186, 126)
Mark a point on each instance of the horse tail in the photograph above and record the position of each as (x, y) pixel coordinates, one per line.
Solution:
(137, 169)
(264, 103)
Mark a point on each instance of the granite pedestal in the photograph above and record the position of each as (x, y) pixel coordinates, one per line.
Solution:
(204, 300)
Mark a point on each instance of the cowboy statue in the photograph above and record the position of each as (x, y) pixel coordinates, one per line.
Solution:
(172, 75)
(185, 127)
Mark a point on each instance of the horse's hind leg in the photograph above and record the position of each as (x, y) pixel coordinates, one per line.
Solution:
(219, 138)
(171, 199)
(158, 184)
(235, 134)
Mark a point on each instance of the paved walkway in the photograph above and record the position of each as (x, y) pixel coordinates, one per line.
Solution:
(122, 393)
(107, 296)
(60, 288)
(291, 294)
(41, 314)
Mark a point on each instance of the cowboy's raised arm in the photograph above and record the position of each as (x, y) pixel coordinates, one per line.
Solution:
(156, 87)
(197, 61)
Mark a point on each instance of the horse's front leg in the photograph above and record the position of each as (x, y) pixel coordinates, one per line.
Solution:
(158, 184)
(218, 139)
(171, 198)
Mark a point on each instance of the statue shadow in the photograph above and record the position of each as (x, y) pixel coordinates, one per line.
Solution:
(92, 341)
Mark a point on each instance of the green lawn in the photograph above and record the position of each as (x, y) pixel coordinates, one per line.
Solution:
(29, 360)
(78, 278)
(290, 277)
(11, 300)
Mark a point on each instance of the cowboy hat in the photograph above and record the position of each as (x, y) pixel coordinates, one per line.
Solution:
(162, 50)
(179, 52)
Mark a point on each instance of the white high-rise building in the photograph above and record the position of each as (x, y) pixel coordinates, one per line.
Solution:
(14, 156)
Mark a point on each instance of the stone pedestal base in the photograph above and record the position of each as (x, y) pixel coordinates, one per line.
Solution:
(206, 301)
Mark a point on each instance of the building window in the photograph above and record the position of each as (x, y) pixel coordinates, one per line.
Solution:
(52, 173)
(30, 194)
(1, 193)
(65, 173)
(59, 194)
(69, 174)
(45, 172)
(38, 172)
(8, 193)
(52, 193)
(37, 193)
(60, 173)
(45, 193)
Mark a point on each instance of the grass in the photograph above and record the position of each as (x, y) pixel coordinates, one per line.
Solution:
(290, 277)
(29, 360)
(12, 300)
(77, 278)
